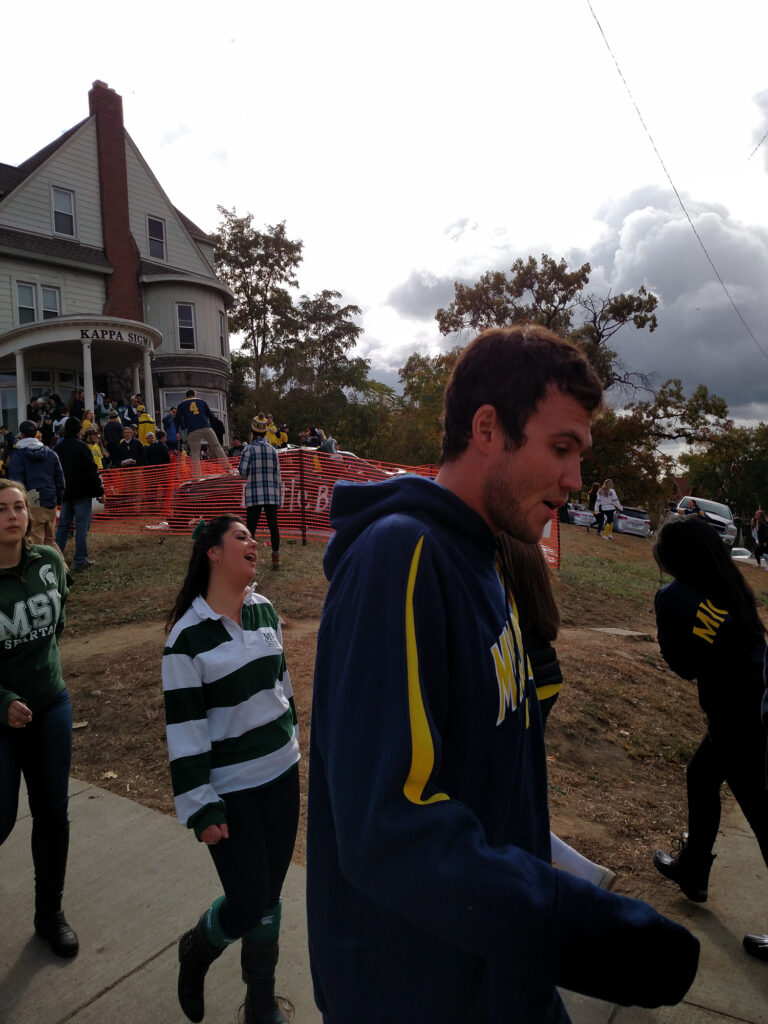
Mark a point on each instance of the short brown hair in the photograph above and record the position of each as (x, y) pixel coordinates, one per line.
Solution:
(511, 369)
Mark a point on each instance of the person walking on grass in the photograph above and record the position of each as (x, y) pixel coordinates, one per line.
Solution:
(431, 894)
(709, 630)
(39, 469)
(233, 748)
(83, 484)
(591, 501)
(35, 710)
(260, 466)
(606, 505)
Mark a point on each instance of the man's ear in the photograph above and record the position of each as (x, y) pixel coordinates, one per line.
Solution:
(485, 427)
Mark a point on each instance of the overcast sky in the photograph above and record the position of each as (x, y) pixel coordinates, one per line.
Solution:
(417, 143)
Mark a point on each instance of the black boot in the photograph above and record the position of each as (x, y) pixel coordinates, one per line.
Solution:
(687, 868)
(50, 846)
(196, 955)
(259, 961)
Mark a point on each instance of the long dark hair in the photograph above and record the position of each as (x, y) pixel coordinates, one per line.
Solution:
(199, 571)
(690, 549)
(531, 587)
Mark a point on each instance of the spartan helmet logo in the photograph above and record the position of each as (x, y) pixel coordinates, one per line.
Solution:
(47, 575)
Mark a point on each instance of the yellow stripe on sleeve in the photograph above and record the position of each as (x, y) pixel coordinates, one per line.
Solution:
(422, 748)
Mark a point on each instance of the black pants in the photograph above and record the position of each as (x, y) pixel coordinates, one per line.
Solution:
(739, 760)
(252, 516)
(253, 862)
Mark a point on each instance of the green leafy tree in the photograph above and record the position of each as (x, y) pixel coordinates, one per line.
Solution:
(259, 267)
(418, 428)
(316, 356)
(549, 294)
(730, 466)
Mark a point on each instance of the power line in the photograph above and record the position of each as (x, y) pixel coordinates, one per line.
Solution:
(716, 272)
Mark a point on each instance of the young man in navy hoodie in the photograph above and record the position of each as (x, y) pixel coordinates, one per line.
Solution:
(430, 890)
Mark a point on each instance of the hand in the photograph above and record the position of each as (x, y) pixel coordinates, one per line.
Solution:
(19, 714)
(211, 835)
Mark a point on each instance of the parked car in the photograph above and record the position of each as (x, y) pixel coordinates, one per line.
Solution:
(719, 515)
(577, 515)
(632, 520)
(742, 555)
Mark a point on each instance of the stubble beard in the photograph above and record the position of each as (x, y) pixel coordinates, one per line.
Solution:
(505, 512)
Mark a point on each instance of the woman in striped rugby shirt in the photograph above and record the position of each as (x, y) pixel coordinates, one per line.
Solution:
(233, 749)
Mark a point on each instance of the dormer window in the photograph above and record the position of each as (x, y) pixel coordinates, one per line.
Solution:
(63, 201)
(156, 236)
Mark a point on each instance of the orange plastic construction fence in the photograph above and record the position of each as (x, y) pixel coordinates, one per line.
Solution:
(173, 498)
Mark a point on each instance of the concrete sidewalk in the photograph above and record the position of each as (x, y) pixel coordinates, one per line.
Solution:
(137, 880)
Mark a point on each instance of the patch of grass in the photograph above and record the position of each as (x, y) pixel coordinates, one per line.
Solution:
(137, 576)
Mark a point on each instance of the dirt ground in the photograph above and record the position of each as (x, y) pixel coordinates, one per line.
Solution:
(609, 798)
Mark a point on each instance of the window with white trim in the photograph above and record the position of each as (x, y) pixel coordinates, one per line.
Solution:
(156, 237)
(185, 323)
(63, 202)
(223, 332)
(27, 302)
(35, 302)
(51, 303)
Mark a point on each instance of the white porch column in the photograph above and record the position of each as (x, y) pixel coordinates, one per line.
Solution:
(136, 381)
(22, 398)
(149, 391)
(88, 376)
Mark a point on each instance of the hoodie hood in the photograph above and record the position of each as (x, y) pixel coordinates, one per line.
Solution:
(355, 507)
(31, 446)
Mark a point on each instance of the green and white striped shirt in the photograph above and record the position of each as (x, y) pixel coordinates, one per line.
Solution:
(230, 718)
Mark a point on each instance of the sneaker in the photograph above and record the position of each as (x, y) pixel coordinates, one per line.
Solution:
(85, 565)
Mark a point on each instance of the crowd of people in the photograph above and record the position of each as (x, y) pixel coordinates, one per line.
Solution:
(435, 887)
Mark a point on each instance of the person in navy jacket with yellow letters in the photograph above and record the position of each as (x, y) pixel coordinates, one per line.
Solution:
(430, 890)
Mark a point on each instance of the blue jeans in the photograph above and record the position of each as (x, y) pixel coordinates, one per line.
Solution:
(42, 752)
(81, 511)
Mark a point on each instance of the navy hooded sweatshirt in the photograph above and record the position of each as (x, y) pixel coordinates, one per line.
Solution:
(38, 468)
(429, 889)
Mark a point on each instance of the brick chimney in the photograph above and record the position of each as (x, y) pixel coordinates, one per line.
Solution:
(123, 290)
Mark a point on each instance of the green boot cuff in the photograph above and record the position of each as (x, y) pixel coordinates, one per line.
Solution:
(213, 930)
(268, 928)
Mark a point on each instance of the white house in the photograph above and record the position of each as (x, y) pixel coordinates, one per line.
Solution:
(104, 284)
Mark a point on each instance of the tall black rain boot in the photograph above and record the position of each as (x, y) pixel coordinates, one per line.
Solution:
(259, 961)
(196, 955)
(687, 867)
(50, 847)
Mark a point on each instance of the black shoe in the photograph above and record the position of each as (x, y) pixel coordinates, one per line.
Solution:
(258, 961)
(688, 870)
(757, 946)
(57, 932)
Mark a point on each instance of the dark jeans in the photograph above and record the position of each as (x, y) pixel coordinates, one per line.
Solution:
(81, 511)
(252, 516)
(42, 753)
(253, 862)
(738, 760)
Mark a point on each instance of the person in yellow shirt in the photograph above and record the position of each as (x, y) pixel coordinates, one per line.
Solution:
(273, 431)
(92, 439)
(146, 426)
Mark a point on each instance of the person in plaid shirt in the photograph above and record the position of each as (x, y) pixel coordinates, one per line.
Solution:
(260, 467)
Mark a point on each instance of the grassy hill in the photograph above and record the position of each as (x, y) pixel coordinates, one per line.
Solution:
(618, 738)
